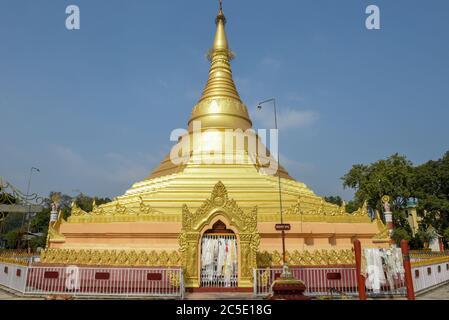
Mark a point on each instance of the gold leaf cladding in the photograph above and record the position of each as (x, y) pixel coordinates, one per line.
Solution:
(97, 210)
(53, 233)
(306, 258)
(383, 230)
(174, 278)
(312, 206)
(119, 212)
(174, 259)
(145, 208)
(264, 277)
(163, 258)
(120, 209)
(245, 221)
(111, 257)
(77, 211)
(153, 257)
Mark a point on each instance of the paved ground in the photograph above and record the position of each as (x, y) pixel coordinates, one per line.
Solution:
(441, 293)
(5, 295)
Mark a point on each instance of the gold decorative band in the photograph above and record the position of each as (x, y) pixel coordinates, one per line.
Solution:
(95, 257)
(306, 258)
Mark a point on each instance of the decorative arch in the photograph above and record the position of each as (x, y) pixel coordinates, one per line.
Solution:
(243, 223)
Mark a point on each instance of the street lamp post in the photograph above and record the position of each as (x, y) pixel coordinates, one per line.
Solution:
(259, 106)
(286, 287)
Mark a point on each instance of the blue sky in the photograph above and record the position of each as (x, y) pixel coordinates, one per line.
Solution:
(94, 108)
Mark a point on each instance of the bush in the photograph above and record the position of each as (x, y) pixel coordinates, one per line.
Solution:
(416, 243)
(400, 234)
(426, 236)
(37, 242)
(12, 238)
(446, 235)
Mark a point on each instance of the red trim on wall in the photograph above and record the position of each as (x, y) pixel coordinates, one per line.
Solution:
(102, 275)
(154, 276)
(51, 275)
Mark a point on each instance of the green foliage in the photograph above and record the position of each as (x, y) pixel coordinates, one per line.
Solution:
(38, 242)
(416, 243)
(334, 199)
(352, 206)
(12, 221)
(419, 241)
(40, 221)
(13, 227)
(85, 202)
(400, 234)
(392, 177)
(400, 179)
(12, 238)
(431, 186)
(446, 235)
(426, 236)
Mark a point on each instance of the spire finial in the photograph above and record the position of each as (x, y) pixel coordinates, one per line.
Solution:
(220, 74)
(220, 105)
(220, 15)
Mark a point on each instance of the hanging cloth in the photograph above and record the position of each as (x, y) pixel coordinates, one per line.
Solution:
(227, 265)
(233, 257)
(221, 256)
(375, 276)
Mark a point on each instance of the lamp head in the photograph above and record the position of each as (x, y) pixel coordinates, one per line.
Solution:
(259, 107)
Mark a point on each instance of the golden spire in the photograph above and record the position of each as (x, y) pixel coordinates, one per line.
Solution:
(220, 81)
(220, 105)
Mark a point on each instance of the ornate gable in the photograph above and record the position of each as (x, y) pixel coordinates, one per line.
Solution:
(219, 201)
(245, 223)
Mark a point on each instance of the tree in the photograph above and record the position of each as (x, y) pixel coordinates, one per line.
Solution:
(431, 186)
(12, 238)
(400, 234)
(12, 225)
(335, 200)
(398, 178)
(351, 206)
(392, 176)
(446, 235)
(5, 198)
(85, 202)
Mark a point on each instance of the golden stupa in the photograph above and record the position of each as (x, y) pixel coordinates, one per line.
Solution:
(161, 220)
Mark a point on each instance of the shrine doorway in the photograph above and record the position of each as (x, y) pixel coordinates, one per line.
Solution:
(219, 257)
